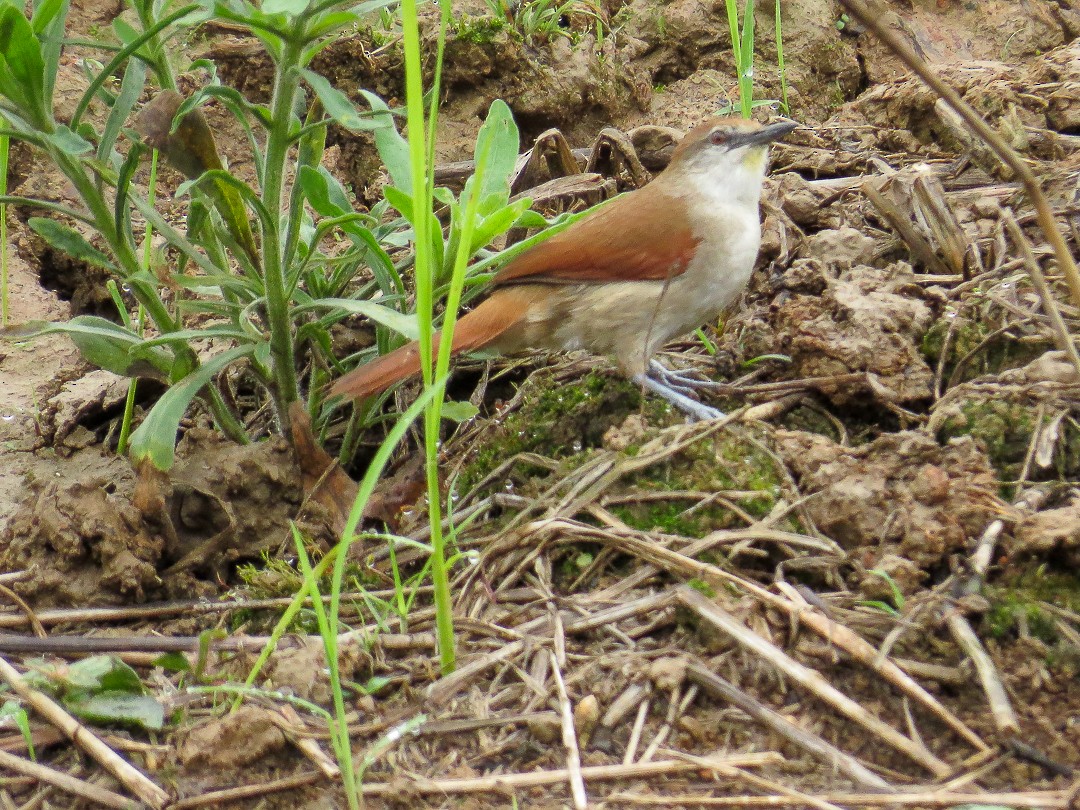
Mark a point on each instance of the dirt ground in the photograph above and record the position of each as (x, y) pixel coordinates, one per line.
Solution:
(907, 399)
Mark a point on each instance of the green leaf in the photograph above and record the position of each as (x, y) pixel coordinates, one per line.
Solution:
(497, 223)
(326, 195)
(130, 89)
(402, 201)
(497, 146)
(22, 69)
(67, 240)
(393, 149)
(173, 662)
(459, 411)
(338, 106)
(531, 219)
(122, 708)
(332, 21)
(102, 673)
(291, 8)
(125, 32)
(44, 14)
(19, 716)
(391, 318)
(155, 439)
(71, 142)
(188, 335)
(103, 343)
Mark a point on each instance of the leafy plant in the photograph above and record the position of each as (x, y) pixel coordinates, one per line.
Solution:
(267, 290)
(780, 64)
(21, 719)
(545, 20)
(252, 277)
(897, 606)
(742, 48)
(100, 689)
(5, 144)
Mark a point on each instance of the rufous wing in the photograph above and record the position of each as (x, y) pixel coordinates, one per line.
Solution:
(640, 236)
(479, 328)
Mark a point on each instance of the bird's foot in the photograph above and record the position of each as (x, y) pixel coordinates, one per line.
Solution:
(676, 392)
(680, 380)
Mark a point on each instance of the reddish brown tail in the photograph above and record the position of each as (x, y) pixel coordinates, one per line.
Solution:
(480, 328)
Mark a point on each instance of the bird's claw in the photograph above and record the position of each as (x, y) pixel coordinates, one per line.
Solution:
(676, 391)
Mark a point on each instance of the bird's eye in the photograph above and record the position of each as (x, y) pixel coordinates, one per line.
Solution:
(718, 137)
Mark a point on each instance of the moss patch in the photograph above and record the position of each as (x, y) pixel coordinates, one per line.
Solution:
(724, 461)
(562, 420)
(1021, 606)
(1006, 427)
(1003, 427)
(999, 354)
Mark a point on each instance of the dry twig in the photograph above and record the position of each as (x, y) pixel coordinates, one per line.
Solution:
(130, 777)
(876, 22)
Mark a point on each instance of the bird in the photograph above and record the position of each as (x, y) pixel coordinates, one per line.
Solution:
(648, 266)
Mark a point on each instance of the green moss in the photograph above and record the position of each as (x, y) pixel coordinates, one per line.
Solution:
(966, 336)
(1003, 427)
(721, 462)
(969, 345)
(1021, 603)
(477, 30)
(702, 587)
(562, 420)
(1005, 617)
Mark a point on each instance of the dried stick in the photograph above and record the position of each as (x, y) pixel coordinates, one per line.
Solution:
(767, 786)
(179, 608)
(444, 688)
(49, 776)
(984, 548)
(569, 737)
(485, 784)
(1005, 719)
(811, 680)
(1001, 710)
(863, 651)
(876, 23)
(857, 647)
(130, 777)
(502, 782)
(815, 746)
(1062, 337)
(914, 240)
(1045, 800)
(635, 733)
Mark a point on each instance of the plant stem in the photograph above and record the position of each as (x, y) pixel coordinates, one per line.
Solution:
(780, 61)
(5, 144)
(286, 83)
(147, 257)
(425, 282)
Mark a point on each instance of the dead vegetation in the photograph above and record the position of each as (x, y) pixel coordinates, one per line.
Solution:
(783, 608)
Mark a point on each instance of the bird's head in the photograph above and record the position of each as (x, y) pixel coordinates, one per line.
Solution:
(728, 151)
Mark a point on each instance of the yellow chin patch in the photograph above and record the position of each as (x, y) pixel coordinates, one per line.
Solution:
(755, 158)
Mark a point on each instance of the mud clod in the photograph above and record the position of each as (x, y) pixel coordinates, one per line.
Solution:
(238, 739)
(864, 320)
(903, 494)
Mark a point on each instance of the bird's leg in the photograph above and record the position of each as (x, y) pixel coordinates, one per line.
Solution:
(682, 380)
(678, 380)
(691, 407)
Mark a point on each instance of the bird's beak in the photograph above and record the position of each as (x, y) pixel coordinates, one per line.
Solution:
(765, 135)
